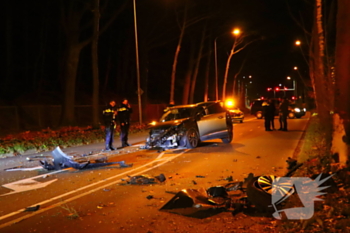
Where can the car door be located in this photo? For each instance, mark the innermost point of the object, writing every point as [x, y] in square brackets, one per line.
[212, 124]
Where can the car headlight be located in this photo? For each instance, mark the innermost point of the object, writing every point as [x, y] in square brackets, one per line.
[297, 109]
[304, 109]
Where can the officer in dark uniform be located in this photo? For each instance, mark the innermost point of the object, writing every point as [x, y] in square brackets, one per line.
[267, 115]
[283, 113]
[124, 112]
[109, 121]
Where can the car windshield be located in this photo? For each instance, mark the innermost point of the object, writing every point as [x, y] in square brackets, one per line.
[176, 113]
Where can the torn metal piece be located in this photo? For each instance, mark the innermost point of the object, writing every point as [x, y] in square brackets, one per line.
[32, 208]
[193, 203]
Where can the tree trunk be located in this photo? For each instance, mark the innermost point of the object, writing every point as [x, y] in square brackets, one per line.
[188, 75]
[70, 71]
[195, 74]
[342, 74]
[321, 80]
[178, 47]
[207, 74]
[95, 73]
[226, 70]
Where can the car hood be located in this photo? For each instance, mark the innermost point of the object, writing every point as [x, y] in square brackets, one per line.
[167, 124]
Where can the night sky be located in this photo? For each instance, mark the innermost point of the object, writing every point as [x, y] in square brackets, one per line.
[32, 43]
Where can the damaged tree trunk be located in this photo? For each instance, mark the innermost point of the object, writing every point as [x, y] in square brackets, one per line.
[322, 86]
[342, 80]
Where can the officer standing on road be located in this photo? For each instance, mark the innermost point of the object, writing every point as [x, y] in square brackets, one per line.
[109, 122]
[267, 115]
[272, 110]
[283, 113]
[124, 112]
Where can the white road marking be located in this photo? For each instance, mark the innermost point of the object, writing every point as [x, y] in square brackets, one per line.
[28, 184]
[60, 197]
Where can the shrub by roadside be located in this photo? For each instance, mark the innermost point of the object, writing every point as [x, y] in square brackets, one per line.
[48, 139]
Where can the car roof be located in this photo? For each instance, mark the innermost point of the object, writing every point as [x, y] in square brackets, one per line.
[194, 105]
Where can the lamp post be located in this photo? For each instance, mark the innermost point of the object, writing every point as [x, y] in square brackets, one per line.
[294, 86]
[216, 70]
[139, 91]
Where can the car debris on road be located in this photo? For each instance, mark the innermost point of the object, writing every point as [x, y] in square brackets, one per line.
[145, 179]
[61, 161]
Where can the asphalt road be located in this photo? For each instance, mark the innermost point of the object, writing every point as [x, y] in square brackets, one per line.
[100, 200]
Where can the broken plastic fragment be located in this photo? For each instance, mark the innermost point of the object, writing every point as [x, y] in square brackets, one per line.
[32, 208]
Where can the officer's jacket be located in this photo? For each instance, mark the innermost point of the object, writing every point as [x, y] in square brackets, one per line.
[109, 115]
[124, 113]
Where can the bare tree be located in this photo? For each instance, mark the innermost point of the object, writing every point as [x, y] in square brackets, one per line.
[238, 45]
[196, 69]
[94, 55]
[177, 52]
[72, 13]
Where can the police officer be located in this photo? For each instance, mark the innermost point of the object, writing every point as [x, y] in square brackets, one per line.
[124, 112]
[267, 115]
[283, 113]
[109, 122]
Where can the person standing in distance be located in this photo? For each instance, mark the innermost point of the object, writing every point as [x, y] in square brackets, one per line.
[124, 112]
[272, 110]
[283, 113]
[267, 118]
[109, 122]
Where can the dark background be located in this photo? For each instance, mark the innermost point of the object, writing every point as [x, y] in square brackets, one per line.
[32, 42]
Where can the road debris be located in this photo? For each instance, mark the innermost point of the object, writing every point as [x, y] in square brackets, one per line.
[62, 161]
[145, 179]
[32, 208]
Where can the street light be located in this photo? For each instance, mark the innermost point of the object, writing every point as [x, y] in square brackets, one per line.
[139, 91]
[236, 32]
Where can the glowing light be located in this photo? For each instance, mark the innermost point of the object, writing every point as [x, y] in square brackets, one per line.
[229, 103]
[297, 42]
[236, 32]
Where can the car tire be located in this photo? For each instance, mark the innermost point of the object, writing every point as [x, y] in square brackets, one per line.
[230, 137]
[192, 138]
[259, 115]
[241, 121]
[298, 117]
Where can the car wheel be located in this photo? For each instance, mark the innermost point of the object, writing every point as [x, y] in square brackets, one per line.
[298, 117]
[230, 133]
[291, 115]
[241, 121]
[192, 138]
[259, 115]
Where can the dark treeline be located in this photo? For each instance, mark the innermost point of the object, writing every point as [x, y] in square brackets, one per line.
[46, 46]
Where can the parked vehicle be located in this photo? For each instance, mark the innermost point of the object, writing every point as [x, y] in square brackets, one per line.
[236, 114]
[187, 125]
[296, 112]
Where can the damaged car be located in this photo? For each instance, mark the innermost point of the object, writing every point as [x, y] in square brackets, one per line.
[185, 126]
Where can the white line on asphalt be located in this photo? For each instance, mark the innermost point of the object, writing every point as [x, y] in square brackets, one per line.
[28, 184]
[162, 161]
